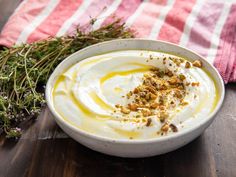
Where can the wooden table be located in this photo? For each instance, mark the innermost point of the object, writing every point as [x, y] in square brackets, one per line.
[44, 150]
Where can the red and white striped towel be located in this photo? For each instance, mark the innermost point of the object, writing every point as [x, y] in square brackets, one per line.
[205, 26]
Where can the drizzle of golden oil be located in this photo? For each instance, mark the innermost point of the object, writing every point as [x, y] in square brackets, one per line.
[80, 105]
[100, 102]
[85, 124]
[200, 106]
[123, 73]
[92, 61]
[127, 133]
[137, 64]
[217, 96]
[60, 79]
[118, 89]
[216, 99]
[84, 109]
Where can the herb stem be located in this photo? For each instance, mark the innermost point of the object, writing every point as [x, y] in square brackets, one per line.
[25, 69]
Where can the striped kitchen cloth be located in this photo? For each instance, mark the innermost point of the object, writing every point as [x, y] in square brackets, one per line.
[205, 26]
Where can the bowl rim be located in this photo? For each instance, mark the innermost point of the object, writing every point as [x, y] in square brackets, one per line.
[210, 117]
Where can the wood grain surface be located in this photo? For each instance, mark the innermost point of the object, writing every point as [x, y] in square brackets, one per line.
[46, 151]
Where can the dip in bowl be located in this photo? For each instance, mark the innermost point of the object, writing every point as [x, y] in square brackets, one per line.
[134, 97]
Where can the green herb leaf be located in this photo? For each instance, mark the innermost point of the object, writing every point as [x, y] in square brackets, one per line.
[25, 69]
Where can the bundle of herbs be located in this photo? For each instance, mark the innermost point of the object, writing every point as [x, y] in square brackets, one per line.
[25, 69]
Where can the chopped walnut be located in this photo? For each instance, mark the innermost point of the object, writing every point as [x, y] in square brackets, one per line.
[136, 90]
[162, 107]
[173, 80]
[178, 94]
[169, 73]
[117, 106]
[161, 100]
[182, 77]
[187, 65]
[197, 63]
[195, 84]
[154, 105]
[149, 121]
[177, 61]
[163, 87]
[173, 128]
[129, 94]
[146, 112]
[148, 96]
[184, 103]
[133, 107]
[163, 116]
[151, 89]
[165, 127]
[153, 96]
[124, 110]
[187, 84]
[161, 74]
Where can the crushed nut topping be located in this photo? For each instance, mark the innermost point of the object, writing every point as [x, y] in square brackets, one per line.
[197, 63]
[160, 91]
[125, 110]
[133, 107]
[195, 84]
[173, 128]
[163, 116]
[187, 65]
[184, 103]
[182, 77]
[165, 127]
[149, 121]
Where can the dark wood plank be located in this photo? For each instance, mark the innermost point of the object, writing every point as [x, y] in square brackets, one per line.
[44, 150]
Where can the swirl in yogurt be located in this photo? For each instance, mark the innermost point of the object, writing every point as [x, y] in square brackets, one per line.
[134, 94]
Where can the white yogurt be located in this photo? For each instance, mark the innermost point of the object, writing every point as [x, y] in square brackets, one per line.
[86, 94]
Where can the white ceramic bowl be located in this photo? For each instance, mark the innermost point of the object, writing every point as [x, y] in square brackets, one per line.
[133, 148]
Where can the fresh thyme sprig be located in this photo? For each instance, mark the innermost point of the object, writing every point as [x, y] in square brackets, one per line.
[25, 69]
